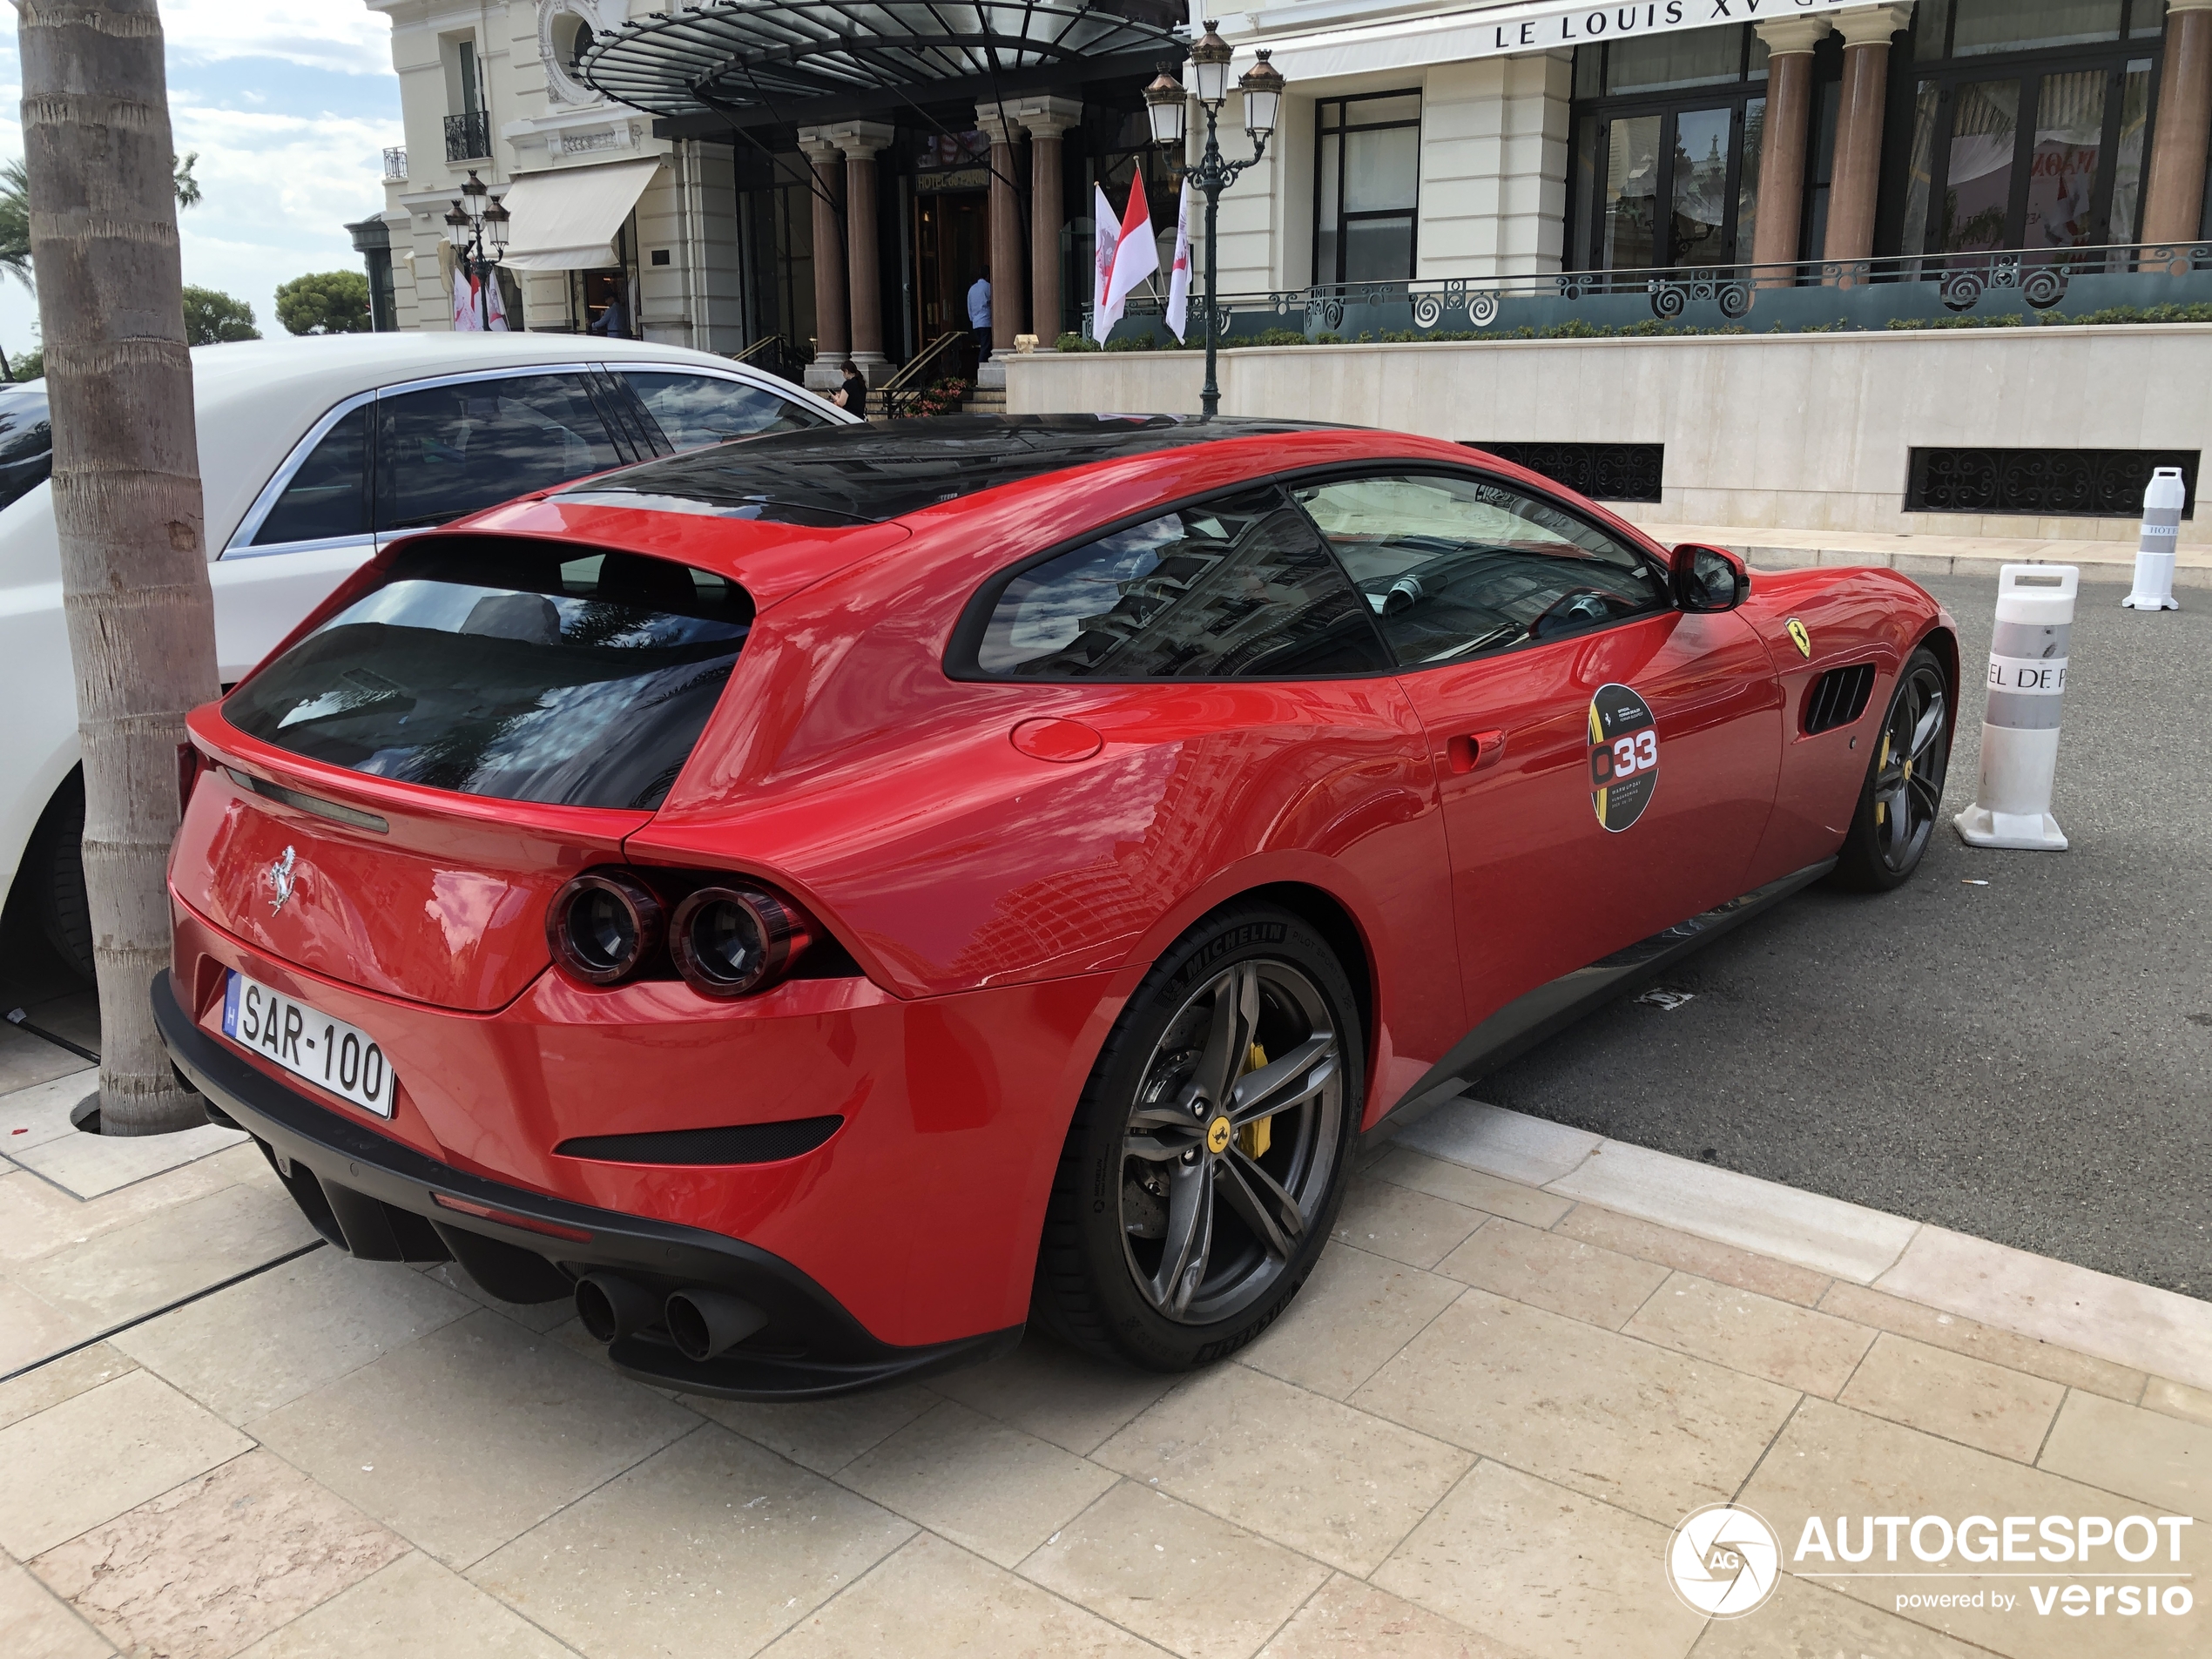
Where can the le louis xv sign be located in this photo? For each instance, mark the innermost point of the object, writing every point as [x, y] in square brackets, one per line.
[1331, 41]
[1536, 28]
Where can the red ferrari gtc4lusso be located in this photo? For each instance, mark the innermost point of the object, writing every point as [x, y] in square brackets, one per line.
[824, 902]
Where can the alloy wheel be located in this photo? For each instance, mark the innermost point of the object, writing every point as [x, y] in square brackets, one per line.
[1909, 773]
[1231, 1142]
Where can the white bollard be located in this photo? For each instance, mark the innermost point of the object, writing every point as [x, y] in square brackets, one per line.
[2162, 502]
[2019, 730]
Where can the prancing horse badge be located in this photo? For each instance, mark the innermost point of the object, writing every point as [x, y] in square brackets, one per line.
[280, 880]
[1799, 638]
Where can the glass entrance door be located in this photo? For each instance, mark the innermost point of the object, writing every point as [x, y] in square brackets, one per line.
[1698, 232]
[952, 232]
[2041, 163]
[1670, 191]
[1631, 213]
[1978, 186]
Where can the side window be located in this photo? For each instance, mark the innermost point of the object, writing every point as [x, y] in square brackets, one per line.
[1451, 566]
[26, 442]
[453, 449]
[329, 496]
[1237, 587]
[696, 410]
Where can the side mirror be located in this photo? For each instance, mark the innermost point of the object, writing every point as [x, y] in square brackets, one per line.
[1709, 578]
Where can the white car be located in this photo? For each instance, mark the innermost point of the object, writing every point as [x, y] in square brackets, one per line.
[312, 453]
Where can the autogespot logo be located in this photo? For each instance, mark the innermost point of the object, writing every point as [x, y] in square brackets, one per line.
[1724, 1560]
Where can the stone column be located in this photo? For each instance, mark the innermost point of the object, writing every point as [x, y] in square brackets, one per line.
[859, 142]
[1784, 139]
[1045, 119]
[2173, 204]
[1010, 258]
[1857, 177]
[832, 341]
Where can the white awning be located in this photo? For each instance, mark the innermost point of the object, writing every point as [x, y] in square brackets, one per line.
[566, 220]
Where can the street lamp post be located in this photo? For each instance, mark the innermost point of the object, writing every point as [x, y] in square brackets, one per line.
[477, 229]
[1166, 102]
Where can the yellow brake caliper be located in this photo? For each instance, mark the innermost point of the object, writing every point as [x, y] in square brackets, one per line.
[1882, 807]
[1254, 1138]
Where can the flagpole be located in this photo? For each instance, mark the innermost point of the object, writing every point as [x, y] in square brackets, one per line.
[1209, 394]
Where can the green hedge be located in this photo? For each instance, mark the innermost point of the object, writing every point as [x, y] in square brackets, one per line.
[1577, 329]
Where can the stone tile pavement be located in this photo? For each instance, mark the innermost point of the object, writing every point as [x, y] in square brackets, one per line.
[1528, 1354]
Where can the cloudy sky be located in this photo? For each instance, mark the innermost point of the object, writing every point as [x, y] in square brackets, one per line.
[290, 103]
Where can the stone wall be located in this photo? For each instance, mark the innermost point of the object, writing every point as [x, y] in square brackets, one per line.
[1800, 432]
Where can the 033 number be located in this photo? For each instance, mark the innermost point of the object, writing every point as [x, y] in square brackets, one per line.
[1637, 752]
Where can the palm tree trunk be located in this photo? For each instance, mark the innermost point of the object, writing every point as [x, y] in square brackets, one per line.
[127, 493]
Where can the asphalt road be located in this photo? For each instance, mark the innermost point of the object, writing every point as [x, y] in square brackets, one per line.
[2029, 1061]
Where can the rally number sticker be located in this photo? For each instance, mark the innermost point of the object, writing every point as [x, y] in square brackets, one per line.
[1624, 755]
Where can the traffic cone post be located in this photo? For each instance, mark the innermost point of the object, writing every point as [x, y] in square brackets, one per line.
[2162, 503]
[2020, 731]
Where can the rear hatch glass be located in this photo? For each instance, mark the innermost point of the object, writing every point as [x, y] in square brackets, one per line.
[510, 669]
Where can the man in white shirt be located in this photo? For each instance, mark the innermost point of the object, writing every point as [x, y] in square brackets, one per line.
[979, 313]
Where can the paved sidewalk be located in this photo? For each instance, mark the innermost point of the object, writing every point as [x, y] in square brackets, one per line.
[1932, 554]
[1529, 1355]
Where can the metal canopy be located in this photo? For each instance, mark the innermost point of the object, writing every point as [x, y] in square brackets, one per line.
[764, 54]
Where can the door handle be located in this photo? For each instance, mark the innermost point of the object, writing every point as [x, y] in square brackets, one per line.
[1475, 751]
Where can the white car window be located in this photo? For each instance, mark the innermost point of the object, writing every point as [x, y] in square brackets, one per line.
[448, 450]
[26, 441]
[329, 496]
[696, 410]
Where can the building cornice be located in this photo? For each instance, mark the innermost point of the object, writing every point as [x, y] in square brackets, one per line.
[580, 137]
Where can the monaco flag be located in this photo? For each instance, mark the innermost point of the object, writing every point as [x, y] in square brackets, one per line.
[1179, 272]
[1106, 239]
[465, 303]
[1135, 257]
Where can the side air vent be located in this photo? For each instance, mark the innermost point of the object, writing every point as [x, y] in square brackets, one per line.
[1838, 697]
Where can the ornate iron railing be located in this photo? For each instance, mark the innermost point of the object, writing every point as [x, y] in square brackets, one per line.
[904, 391]
[1952, 290]
[468, 136]
[2053, 483]
[395, 164]
[777, 355]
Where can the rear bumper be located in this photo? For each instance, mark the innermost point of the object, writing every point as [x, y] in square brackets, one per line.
[380, 1199]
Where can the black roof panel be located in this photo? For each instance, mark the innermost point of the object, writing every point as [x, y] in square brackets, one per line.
[828, 475]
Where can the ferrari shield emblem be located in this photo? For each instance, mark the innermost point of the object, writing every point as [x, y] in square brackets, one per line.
[1624, 755]
[1799, 638]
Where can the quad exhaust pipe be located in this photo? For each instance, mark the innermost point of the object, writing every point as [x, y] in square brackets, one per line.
[701, 1323]
[612, 1306]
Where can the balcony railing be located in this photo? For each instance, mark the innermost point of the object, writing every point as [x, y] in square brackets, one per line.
[468, 137]
[1954, 290]
[395, 164]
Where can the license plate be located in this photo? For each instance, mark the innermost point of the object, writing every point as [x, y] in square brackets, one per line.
[340, 1057]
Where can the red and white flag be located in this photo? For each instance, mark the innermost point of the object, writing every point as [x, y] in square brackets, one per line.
[1135, 257]
[1179, 271]
[1106, 237]
[465, 303]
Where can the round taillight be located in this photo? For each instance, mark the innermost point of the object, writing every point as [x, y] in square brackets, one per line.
[733, 941]
[602, 924]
